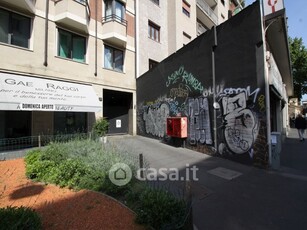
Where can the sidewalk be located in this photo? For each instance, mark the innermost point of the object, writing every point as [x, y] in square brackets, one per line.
[255, 199]
[294, 153]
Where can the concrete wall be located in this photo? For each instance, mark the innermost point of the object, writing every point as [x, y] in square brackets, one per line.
[182, 85]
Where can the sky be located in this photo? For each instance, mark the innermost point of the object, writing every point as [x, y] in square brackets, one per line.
[296, 11]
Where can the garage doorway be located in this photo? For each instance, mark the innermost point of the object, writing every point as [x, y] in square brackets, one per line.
[117, 109]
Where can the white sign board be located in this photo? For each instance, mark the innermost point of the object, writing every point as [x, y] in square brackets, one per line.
[271, 6]
[118, 123]
[37, 94]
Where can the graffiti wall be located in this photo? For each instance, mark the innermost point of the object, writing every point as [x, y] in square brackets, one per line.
[228, 117]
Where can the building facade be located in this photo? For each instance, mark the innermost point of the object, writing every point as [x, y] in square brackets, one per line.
[163, 27]
[65, 63]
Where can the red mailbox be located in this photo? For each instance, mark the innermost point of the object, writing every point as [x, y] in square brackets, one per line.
[177, 127]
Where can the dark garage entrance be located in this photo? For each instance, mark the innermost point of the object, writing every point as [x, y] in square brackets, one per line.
[117, 108]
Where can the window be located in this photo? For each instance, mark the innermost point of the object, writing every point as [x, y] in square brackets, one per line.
[115, 10]
[71, 46]
[186, 8]
[14, 29]
[156, 1]
[113, 58]
[152, 63]
[153, 31]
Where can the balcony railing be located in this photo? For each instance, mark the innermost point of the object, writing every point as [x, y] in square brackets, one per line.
[114, 30]
[114, 17]
[203, 5]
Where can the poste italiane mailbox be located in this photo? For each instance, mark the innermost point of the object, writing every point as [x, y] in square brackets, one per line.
[177, 127]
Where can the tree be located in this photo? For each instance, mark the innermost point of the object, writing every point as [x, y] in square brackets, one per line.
[298, 55]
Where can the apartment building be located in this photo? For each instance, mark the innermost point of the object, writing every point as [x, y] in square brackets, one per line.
[163, 27]
[64, 63]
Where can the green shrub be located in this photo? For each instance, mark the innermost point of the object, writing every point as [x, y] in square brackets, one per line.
[79, 164]
[85, 164]
[56, 152]
[93, 180]
[36, 168]
[101, 126]
[15, 218]
[69, 173]
[33, 156]
[159, 209]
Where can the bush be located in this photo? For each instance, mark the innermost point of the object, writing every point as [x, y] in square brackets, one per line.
[101, 126]
[36, 168]
[14, 218]
[55, 152]
[69, 173]
[160, 209]
[85, 164]
[78, 164]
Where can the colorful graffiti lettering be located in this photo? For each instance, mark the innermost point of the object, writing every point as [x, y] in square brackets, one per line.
[155, 120]
[241, 125]
[187, 78]
[261, 103]
[181, 91]
[172, 79]
[199, 129]
[235, 91]
[190, 80]
[209, 91]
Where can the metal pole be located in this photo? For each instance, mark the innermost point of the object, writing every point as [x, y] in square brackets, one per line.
[214, 88]
[96, 42]
[46, 34]
[267, 86]
[141, 161]
[39, 141]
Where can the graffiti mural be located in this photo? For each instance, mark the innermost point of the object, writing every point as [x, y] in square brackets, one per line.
[181, 91]
[233, 91]
[155, 119]
[240, 123]
[222, 95]
[199, 129]
[188, 80]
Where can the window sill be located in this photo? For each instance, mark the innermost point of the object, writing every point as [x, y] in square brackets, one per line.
[114, 70]
[68, 59]
[17, 47]
[154, 40]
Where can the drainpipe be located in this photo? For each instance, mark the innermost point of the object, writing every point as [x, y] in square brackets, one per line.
[136, 60]
[214, 88]
[266, 82]
[136, 34]
[46, 34]
[96, 39]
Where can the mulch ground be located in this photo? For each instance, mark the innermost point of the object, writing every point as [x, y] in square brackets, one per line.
[62, 208]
